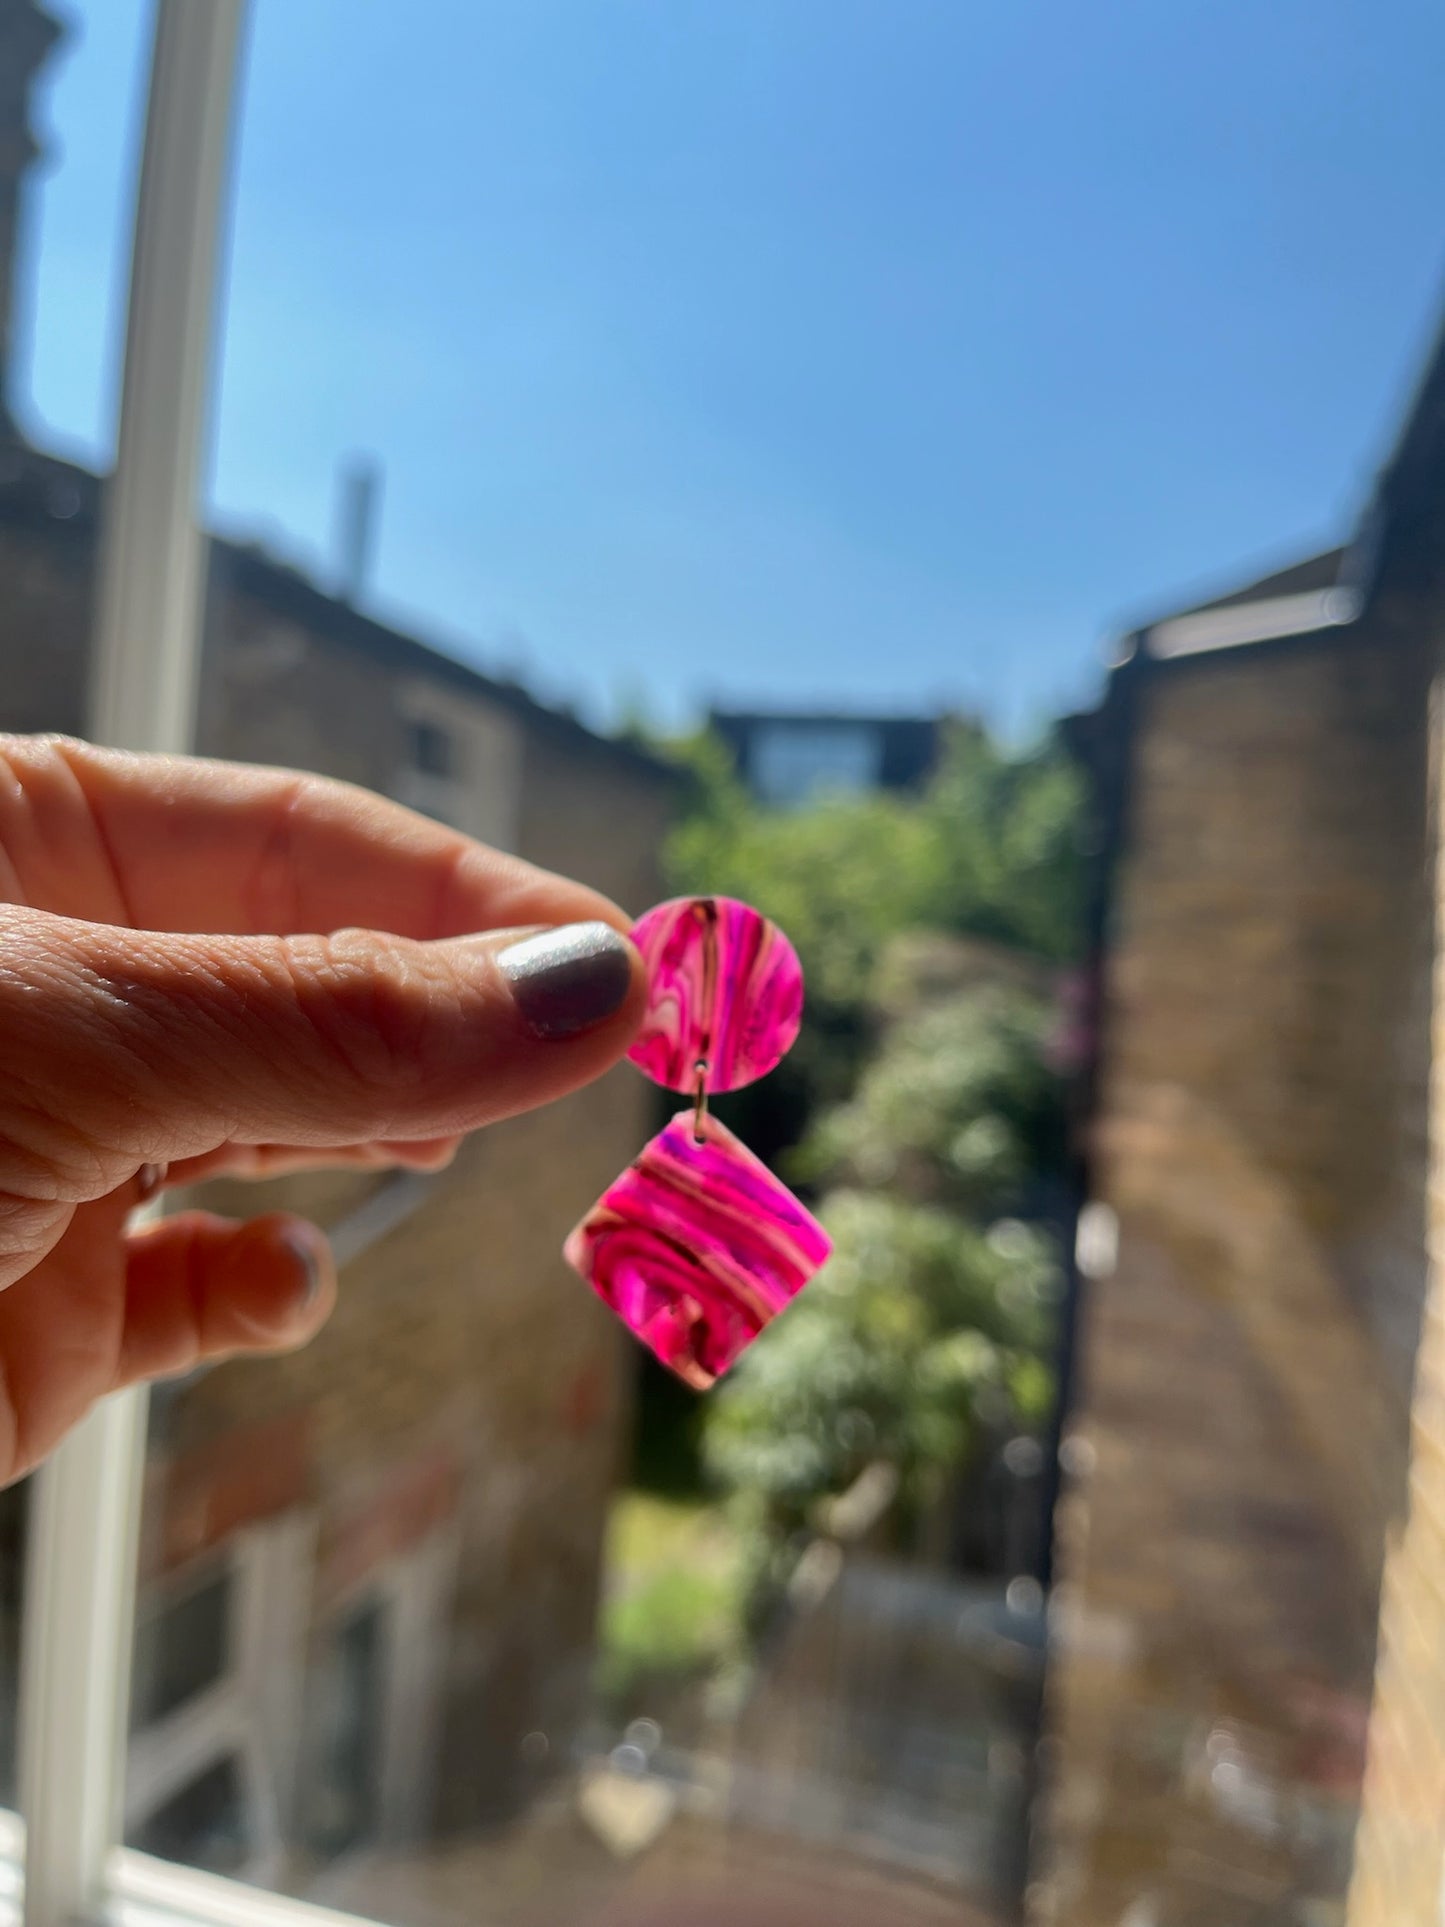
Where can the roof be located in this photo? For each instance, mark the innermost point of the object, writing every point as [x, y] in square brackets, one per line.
[740, 719]
[1321, 571]
[1303, 599]
[1399, 542]
[291, 594]
[1401, 539]
[57, 497]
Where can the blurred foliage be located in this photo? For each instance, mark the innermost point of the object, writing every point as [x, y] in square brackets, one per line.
[840, 876]
[667, 1432]
[919, 1327]
[988, 849]
[926, 1112]
[1008, 830]
[674, 1598]
[958, 1107]
[930, 1327]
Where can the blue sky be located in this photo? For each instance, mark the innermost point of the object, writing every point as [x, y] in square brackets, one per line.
[874, 352]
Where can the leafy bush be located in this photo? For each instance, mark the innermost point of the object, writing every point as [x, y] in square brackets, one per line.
[932, 1119]
[957, 1107]
[918, 1328]
[989, 849]
[672, 1609]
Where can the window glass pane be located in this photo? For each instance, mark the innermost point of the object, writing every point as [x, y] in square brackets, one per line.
[1073, 1550]
[346, 1790]
[430, 749]
[182, 1645]
[204, 1824]
[793, 762]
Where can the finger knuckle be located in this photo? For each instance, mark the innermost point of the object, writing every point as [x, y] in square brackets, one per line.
[68, 1113]
[373, 1005]
[42, 750]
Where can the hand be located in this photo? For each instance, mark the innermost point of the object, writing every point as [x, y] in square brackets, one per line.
[340, 1007]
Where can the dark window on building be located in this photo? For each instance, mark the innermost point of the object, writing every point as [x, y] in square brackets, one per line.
[346, 1798]
[795, 762]
[430, 749]
[204, 1824]
[181, 1648]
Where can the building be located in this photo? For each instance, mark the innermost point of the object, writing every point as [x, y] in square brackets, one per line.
[788, 760]
[369, 1571]
[1248, 1624]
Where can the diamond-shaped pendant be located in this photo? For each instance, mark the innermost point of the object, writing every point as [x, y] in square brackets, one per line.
[697, 1246]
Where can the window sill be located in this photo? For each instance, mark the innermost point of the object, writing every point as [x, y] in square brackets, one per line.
[153, 1893]
[12, 1868]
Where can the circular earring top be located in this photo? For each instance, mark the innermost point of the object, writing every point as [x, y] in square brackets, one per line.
[726, 994]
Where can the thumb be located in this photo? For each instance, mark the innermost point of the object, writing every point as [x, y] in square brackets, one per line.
[123, 1047]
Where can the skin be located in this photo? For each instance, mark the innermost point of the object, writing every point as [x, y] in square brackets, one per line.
[343, 1007]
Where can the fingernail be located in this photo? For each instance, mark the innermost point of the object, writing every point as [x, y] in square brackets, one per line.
[565, 981]
[313, 1257]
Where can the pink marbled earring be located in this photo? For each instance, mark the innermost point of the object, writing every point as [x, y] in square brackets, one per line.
[697, 1245]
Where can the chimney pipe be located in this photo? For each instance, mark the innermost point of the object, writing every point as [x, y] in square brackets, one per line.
[360, 496]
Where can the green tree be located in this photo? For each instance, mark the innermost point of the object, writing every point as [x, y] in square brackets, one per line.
[1008, 827]
[931, 1128]
[958, 1106]
[919, 1329]
[989, 849]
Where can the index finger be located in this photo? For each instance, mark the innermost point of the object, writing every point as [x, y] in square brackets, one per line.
[189, 844]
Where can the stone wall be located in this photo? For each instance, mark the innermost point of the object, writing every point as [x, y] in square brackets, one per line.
[1236, 1453]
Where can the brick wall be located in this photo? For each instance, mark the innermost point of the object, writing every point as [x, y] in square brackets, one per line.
[1399, 1873]
[1237, 1450]
[462, 1334]
[47, 573]
[469, 1387]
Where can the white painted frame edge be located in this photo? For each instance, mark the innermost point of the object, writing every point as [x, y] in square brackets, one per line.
[85, 1504]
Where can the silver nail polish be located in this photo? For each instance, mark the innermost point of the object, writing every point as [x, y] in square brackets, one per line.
[564, 981]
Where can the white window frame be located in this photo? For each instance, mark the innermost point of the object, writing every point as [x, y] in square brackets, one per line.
[85, 1502]
[414, 1594]
[251, 1711]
